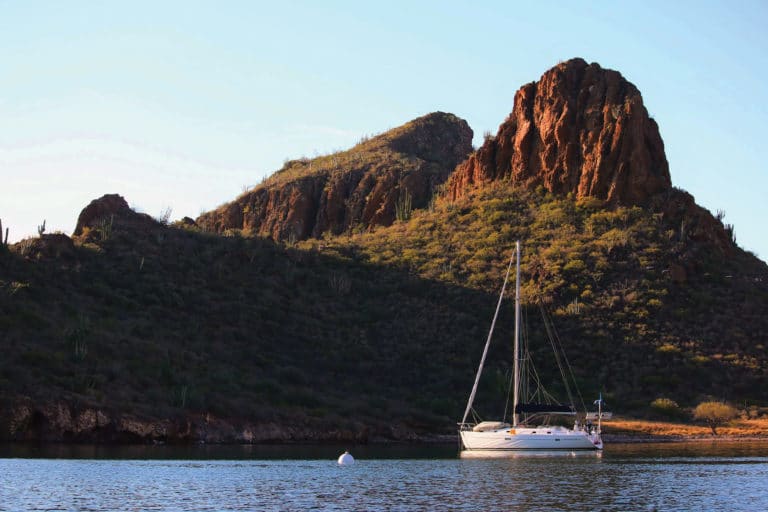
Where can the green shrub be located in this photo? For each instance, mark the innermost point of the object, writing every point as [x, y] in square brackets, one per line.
[667, 348]
[666, 407]
[715, 414]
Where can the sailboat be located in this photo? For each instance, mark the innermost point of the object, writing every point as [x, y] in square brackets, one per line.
[530, 427]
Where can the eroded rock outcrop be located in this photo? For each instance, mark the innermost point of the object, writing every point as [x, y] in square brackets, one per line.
[580, 129]
[108, 215]
[356, 188]
[696, 226]
[98, 209]
[23, 419]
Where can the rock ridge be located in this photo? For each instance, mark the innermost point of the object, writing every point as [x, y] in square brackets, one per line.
[358, 188]
[580, 129]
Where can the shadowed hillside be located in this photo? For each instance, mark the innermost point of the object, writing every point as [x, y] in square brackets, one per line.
[167, 333]
[266, 320]
[160, 322]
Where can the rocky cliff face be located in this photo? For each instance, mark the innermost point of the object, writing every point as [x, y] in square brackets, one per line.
[60, 421]
[696, 225]
[361, 187]
[580, 129]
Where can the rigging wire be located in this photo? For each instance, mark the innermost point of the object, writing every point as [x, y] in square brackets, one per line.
[509, 395]
[557, 353]
[532, 389]
[561, 356]
[540, 393]
[568, 364]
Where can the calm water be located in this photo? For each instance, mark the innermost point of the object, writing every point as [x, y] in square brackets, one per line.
[695, 476]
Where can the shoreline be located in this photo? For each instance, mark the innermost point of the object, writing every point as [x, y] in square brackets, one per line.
[25, 421]
[647, 439]
[625, 430]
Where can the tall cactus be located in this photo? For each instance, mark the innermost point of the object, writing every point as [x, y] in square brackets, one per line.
[104, 228]
[41, 228]
[3, 242]
[403, 206]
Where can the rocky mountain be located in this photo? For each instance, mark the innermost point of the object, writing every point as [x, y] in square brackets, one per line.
[328, 304]
[584, 130]
[580, 129]
[358, 188]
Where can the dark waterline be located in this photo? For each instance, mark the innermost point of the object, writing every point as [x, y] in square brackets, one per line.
[225, 452]
[696, 449]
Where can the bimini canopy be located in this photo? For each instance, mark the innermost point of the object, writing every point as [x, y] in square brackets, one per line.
[544, 409]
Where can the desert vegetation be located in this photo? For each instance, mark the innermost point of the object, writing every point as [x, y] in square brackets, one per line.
[383, 325]
[715, 414]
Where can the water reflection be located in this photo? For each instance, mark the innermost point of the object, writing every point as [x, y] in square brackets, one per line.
[527, 454]
[694, 476]
[689, 449]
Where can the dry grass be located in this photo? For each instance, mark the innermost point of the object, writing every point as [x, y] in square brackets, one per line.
[736, 428]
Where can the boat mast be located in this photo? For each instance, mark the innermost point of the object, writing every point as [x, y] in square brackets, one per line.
[516, 375]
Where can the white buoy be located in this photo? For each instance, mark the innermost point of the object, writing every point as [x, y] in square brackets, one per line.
[346, 459]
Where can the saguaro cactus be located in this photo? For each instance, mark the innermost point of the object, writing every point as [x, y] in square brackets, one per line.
[3, 241]
[403, 206]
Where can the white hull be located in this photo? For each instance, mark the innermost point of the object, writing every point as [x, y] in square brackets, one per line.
[526, 438]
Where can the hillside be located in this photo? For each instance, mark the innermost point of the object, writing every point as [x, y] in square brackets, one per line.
[648, 309]
[135, 330]
[371, 184]
[145, 331]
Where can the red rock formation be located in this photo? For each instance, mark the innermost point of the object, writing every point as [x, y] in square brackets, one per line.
[361, 188]
[580, 129]
[113, 210]
[100, 208]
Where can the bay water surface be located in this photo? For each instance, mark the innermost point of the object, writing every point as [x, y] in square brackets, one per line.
[688, 476]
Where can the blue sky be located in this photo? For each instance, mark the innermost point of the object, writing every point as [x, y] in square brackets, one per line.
[183, 104]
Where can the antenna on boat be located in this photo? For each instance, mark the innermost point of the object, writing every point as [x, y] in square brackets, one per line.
[599, 403]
